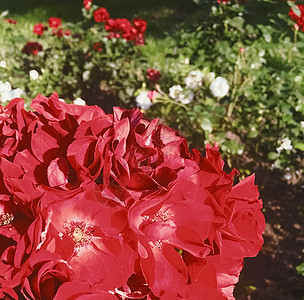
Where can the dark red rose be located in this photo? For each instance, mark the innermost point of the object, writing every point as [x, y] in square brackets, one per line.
[32, 48]
[38, 29]
[48, 271]
[54, 22]
[11, 21]
[97, 46]
[153, 75]
[87, 4]
[101, 15]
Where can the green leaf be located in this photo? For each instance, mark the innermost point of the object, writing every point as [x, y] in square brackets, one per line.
[236, 22]
[295, 8]
[273, 155]
[300, 269]
[206, 125]
[299, 146]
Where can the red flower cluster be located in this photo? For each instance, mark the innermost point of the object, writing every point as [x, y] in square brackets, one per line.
[101, 15]
[298, 19]
[153, 75]
[122, 28]
[55, 24]
[31, 48]
[113, 206]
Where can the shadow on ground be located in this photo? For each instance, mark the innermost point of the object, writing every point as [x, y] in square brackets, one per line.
[272, 274]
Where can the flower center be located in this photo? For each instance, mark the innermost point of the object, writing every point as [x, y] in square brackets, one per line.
[6, 219]
[80, 232]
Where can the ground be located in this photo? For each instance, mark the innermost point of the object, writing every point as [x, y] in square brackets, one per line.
[272, 274]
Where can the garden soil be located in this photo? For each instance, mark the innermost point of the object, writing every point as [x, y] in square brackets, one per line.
[272, 274]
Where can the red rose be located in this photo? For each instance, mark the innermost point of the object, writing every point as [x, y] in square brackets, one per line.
[101, 15]
[38, 29]
[80, 189]
[298, 19]
[87, 232]
[32, 48]
[82, 290]
[48, 271]
[97, 46]
[11, 21]
[87, 4]
[153, 75]
[54, 22]
[140, 25]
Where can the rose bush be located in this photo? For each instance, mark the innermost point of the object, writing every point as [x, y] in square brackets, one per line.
[256, 113]
[91, 59]
[117, 207]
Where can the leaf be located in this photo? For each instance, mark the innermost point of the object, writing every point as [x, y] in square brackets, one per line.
[273, 155]
[300, 269]
[206, 125]
[299, 146]
[237, 22]
[295, 8]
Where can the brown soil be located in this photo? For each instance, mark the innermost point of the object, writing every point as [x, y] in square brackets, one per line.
[272, 274]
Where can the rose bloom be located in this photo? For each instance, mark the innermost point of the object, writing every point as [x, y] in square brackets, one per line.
[106, 206]
[175, 91]
[11, 21]
[38, 29]
[143, 100]
[87, 4]
[298, 19]
[97, 46]
[54, 22]
[61, 33]
[219, 87]
[101, 15]
[153, 75]
[31, 48]
[194, 79]
[140, 25]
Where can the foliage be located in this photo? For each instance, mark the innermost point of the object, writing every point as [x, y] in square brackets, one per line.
[77, 59]
[262, 116]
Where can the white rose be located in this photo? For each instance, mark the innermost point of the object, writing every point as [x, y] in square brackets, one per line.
[79, 101]
[5, 87]
[219, 87]
[3, 64]
[285, 145]
[16, 93]
[86, 75]
[34, 74]
[143, 101]
[186, 97]
[194, 79]
[175, 91]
